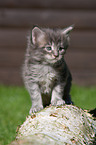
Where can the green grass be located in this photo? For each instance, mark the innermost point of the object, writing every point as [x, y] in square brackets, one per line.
[15, 104]
[14, 107]
[84, 97]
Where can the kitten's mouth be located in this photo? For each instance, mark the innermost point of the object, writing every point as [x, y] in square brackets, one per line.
[57, 58]
[55, 61]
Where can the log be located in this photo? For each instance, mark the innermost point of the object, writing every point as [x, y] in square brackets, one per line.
[49, 4]
[62, 125]
[26, 18]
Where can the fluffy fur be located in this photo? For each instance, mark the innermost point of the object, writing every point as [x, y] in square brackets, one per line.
[45, 73]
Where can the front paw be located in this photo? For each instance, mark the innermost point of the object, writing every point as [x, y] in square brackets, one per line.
[69, 103]
[35, 109]
[57, 102]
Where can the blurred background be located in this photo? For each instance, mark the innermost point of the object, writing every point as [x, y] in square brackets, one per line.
[18, 16]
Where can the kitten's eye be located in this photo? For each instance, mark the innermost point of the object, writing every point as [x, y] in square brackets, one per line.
[61, 49]
[48, 48]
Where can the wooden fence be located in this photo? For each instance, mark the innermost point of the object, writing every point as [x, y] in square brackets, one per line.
[18, 16]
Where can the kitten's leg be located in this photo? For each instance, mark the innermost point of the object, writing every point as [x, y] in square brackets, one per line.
[67, 96]
[57, 95]
[36, 98]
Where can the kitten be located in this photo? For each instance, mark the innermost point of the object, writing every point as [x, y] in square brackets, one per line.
[45, 73]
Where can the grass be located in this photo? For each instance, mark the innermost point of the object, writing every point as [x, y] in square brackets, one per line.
[15, 104]
[14, 107]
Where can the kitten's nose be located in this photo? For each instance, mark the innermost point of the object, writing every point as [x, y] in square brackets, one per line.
[56, 54]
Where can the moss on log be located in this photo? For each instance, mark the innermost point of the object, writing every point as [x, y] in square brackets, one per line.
[53, 125]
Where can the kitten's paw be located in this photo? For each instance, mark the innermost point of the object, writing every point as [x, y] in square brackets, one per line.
[68, 100]
[69, 103]
[58, 102]
[35, 109]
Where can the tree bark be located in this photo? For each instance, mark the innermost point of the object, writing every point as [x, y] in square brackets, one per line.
[62, 125]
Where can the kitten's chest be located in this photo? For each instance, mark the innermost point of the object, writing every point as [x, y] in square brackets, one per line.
[47, 80]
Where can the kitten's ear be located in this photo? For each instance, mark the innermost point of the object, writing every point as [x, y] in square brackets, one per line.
[38, 36]
[67, 30]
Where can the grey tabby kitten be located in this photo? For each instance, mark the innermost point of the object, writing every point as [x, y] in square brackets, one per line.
[45, 73]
